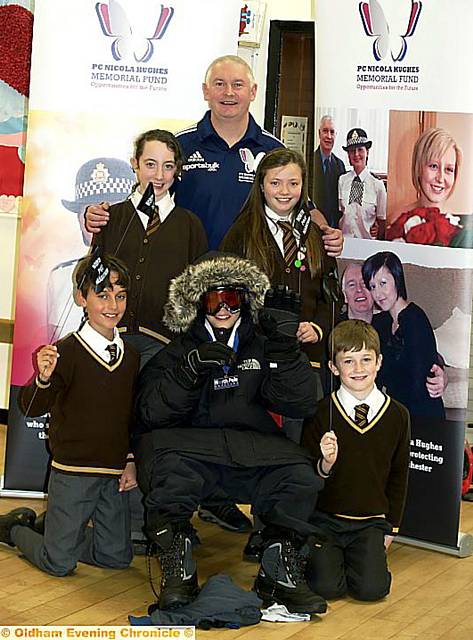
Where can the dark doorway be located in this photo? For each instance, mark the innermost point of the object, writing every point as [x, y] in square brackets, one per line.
[290, 78]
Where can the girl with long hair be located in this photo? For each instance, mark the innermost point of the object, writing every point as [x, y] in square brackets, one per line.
[274, 230]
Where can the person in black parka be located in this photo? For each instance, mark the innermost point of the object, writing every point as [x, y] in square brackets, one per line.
[203, 421]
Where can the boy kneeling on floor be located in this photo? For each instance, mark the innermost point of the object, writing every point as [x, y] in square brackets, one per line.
[86, 382]
[360, 439]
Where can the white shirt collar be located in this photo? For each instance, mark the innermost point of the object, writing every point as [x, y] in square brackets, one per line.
[375, 400]
[272, 215]
[363, 175]
[272, 220]
[165, 206]
[98, 343]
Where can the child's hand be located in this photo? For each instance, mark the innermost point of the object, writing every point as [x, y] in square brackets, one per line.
[306, 333]
[128, 478]
[387, 541]
[329, 449]
[47, 359]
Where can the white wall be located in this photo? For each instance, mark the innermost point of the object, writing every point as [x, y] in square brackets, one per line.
[302, 10]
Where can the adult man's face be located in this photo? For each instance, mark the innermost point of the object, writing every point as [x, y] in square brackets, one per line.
[357, 296]
[327, 135]
[229, 90]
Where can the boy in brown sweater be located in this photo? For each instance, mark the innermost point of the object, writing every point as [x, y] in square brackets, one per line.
[86, 382]
[360, 440]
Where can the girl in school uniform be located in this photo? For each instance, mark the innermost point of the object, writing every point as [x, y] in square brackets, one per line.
[156, 247]
[274, 229]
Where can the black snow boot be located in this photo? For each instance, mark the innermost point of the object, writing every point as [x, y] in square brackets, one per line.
[179, 584]
[281, 577]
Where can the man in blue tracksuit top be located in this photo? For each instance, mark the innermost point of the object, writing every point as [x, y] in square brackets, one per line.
[216, 178]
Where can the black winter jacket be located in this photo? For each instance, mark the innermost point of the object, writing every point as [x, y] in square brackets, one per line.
[231, 426]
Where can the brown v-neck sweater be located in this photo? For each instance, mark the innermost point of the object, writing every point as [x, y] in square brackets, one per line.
[369, 477]
[90, 403]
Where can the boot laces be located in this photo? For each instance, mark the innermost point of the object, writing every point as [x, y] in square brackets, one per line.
[172, 560]
[294, 562]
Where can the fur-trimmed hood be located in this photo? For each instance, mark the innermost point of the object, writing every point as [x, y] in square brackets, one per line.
[186, 290]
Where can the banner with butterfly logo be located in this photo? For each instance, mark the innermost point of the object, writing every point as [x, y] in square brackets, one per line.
[395, 106]
[102, 73]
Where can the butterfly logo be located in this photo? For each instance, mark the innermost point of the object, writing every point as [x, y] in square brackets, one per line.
[376, 25]
[251, 163]
[129, 42]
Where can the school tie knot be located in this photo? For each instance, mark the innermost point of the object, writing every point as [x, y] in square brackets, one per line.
[113, 350]
[153, 221]
[361, 415]
[327, 164]
[356, 191]
[288, 241]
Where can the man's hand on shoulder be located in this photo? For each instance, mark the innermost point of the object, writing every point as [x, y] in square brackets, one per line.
[96, 217]
[333, 240]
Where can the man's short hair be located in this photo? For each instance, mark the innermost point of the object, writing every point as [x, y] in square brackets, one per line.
[350, 265]
[82, 273]
[229, 58]
[353, 335]
[322, 120]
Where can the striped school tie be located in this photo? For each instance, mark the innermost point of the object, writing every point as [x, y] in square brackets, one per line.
[153, 222]
[361, 415]
[289, 242]
[113, 350]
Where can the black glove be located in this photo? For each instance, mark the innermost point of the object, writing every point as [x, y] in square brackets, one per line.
[279, 320]
[203, 359]
[208, 356]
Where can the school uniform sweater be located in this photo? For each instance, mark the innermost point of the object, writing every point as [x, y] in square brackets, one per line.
[369, 477]
[153, 261]
[90, 402]
[314, 308]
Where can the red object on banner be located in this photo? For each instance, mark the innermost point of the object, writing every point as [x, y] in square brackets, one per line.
[12, 172]
[467, 469]
[423, 225]
[16, 27]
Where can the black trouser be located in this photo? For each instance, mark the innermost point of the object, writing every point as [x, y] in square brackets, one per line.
[353, 560]
[282, 495]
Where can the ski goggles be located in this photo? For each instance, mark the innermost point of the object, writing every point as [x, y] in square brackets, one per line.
[229, 297]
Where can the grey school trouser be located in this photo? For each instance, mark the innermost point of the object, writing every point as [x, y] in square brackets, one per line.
[72, 502]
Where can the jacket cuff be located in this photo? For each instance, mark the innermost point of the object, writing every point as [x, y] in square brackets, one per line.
[318, 330]
[320, 471]
[42, 385]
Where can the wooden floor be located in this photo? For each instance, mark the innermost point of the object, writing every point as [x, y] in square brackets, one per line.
[431, 598]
